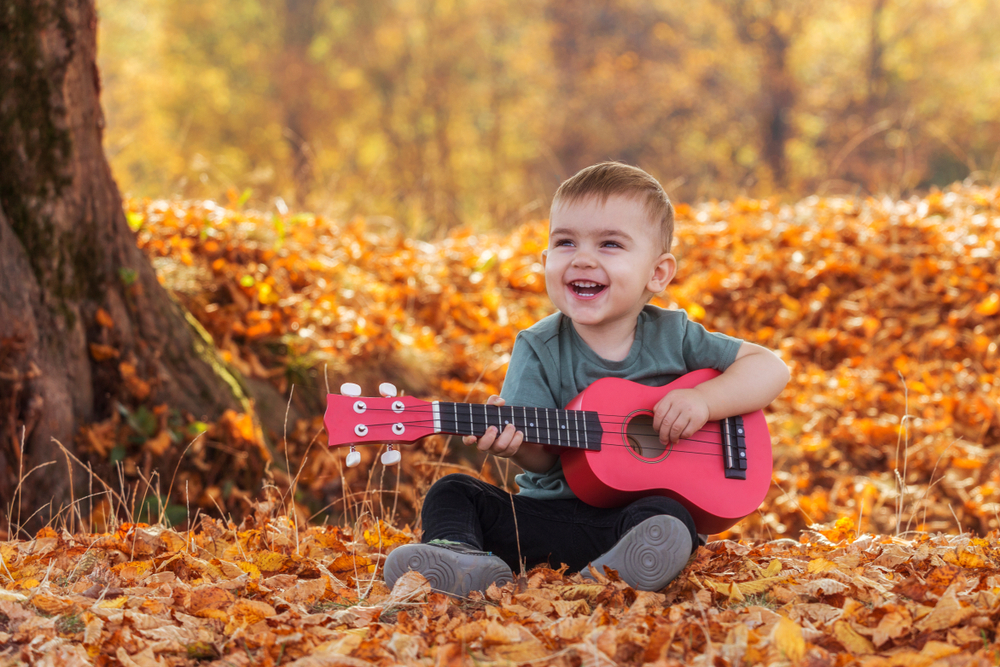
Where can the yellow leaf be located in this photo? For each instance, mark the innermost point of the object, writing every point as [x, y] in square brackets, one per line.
[851, 640]
[844, 524]
[773, 568]
[114, 603]
[758, 585]
[820, 565]
[269, 561]
[789, 640]
[970, 559]
[386, 536]
[51, 604]
[250, 569]
[132, 569]
[217, 614]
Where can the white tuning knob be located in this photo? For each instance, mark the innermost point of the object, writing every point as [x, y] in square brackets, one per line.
[353, 458]
[350, 389]
[387, 389]
[391, 457]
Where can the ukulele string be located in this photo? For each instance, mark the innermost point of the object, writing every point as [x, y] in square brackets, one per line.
[584, 433]
[463, 419]
[588, 435]
[607, 415]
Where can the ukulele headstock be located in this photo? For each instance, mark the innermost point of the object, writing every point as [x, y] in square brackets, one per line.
[353, 419]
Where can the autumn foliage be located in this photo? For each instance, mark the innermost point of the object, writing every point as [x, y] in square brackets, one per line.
[886, 438]
[886, 312]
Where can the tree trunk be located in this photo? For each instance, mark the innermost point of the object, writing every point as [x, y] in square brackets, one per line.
[297, 75]
[66, 253]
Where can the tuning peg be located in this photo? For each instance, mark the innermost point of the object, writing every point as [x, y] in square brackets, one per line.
[350, 389]
[387, 389]
[353, 457]
[391, 456]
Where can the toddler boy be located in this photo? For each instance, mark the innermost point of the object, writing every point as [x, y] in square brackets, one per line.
[610, 233]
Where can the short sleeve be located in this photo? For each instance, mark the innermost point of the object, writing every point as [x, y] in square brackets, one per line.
[708, 349]
[527, 382]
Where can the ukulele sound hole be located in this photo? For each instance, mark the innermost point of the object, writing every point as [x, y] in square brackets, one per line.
[643, 439]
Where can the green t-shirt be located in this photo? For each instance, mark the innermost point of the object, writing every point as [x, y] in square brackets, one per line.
[551, 364]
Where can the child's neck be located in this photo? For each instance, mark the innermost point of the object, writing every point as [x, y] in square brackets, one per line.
[612, 342]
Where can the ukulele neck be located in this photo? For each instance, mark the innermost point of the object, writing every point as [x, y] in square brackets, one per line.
[578, 429]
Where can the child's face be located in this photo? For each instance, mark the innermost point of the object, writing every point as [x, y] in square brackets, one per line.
[604, 261]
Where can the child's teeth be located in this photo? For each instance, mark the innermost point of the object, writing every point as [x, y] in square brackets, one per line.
[586, 288]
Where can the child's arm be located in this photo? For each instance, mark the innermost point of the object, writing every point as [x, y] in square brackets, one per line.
[509, 444]
[750, 383]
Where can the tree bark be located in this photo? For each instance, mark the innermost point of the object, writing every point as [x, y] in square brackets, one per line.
[66, 252]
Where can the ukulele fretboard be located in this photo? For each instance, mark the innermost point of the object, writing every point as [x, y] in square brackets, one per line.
[579, 429]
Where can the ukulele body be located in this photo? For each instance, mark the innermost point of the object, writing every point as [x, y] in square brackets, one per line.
[632, 463]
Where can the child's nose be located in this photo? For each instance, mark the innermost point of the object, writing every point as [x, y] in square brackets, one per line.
[583, 258]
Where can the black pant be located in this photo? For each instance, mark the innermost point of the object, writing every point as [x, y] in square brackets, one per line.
[464, 509]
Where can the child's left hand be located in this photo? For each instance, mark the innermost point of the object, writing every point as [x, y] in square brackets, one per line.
[680, 414]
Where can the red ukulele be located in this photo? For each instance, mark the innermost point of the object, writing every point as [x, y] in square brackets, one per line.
[610, 452]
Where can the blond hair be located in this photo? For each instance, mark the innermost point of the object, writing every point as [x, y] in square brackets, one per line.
[617, 178]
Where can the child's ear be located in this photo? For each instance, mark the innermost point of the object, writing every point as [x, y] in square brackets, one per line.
[663, 272]
[545, 256]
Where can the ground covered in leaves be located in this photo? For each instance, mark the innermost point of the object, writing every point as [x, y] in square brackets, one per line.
[877, 545]
[887, 312]
[264, 594]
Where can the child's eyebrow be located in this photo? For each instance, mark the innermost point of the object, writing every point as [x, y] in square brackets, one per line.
[600, 233]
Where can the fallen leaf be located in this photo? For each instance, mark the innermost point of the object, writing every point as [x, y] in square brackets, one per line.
[851, 640]
[788, 639]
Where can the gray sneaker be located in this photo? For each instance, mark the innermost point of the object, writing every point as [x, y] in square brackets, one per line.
[649, 556]
[449, 567]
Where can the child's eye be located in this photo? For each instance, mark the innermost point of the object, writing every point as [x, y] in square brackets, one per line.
[612, 244]
[562, 242]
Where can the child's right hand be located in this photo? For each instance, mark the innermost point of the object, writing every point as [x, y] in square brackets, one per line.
[504, 444]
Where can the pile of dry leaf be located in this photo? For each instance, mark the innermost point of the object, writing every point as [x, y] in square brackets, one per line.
[886, 311]
[877, 545]
[266, 593]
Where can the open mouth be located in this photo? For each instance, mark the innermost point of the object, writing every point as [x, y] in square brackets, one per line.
[586, 289]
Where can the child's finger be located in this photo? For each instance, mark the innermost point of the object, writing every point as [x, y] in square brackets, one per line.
[487, 439]
[508, 442]
[666, 426]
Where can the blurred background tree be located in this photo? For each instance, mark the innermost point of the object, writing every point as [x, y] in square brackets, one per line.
[437, 113]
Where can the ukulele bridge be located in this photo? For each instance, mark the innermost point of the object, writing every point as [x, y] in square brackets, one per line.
[734, 447]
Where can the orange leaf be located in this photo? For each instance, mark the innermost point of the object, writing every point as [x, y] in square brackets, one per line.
[990, 305]
[104, 319]
[101, 352]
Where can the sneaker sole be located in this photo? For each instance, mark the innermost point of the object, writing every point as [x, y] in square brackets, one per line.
[649, 556]
[445, 570]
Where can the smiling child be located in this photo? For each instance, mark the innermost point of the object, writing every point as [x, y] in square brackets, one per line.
[610, 233]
